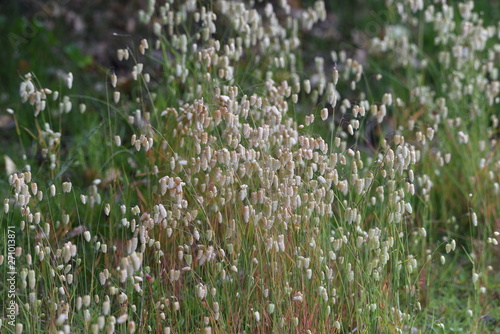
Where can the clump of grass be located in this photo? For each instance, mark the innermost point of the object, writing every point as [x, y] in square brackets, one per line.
[205, 202]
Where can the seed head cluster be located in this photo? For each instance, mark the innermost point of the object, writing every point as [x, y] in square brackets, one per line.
[218, 208]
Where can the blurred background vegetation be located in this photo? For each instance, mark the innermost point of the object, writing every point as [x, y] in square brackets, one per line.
[82, 36]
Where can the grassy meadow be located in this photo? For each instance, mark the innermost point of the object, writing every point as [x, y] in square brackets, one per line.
[254, 167]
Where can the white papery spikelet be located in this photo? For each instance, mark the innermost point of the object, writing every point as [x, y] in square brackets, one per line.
[69, 80]
[324, 114]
